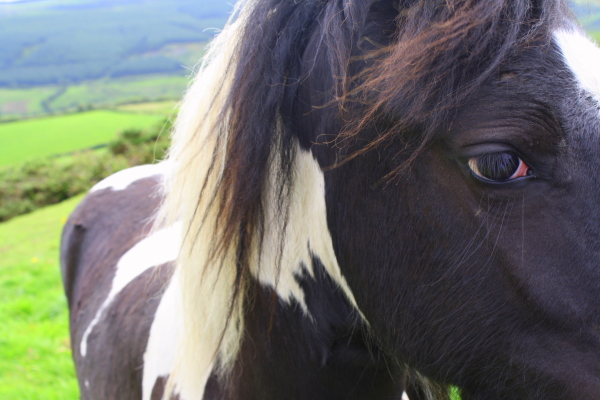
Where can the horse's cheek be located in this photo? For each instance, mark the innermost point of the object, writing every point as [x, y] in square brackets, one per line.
[396, 238]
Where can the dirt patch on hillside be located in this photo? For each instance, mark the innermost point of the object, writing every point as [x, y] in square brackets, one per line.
[15, 107]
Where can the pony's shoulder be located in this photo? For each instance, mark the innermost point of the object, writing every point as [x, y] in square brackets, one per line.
[119, 209]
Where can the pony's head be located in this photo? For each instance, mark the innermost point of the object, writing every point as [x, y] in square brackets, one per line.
[438, 158]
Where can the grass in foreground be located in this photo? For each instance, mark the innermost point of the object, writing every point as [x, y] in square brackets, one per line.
[30, 139]
[35, 355]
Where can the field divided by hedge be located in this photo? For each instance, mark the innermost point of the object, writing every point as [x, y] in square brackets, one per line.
[16, 103]
[31, 139]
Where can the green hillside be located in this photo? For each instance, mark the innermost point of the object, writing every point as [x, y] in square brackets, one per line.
[29, 139]
[66, 55]
[35, 354]
[63, 42]
[16, 103]
[61, 56]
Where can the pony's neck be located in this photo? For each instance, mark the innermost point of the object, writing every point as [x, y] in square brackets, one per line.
[287, 354]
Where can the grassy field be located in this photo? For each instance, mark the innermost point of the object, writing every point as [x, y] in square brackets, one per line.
[107, 92]
[103, 93]
[166, 108]
[35, 355]
[23, 140]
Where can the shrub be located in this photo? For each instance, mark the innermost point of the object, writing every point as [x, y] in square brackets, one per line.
[37, 183]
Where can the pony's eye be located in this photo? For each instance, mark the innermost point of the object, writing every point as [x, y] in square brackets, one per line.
[499, 167]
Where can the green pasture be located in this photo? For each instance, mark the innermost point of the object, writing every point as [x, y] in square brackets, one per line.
[158, 107]
[35, 355]
[108, 92]
[102, 93]
[29, 139]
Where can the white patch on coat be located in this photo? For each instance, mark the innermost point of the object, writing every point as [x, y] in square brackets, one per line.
[405, 396]
[167, 327]
[122, 179]
[156, 249]
[305, 234]
[582, 56]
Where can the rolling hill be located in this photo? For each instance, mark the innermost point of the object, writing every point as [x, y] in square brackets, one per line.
[66, 41]
[67, 55]
[62, 56]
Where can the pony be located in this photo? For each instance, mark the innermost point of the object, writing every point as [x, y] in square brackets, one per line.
[369, 199]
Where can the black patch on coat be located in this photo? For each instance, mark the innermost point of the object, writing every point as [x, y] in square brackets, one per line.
[291, 355]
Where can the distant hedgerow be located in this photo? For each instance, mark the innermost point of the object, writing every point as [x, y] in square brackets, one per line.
[38, 183]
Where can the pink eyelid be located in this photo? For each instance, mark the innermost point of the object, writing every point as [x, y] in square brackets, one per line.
[521, 171]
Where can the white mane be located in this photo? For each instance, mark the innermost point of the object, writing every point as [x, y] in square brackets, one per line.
[205, 292]
[212, 326]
